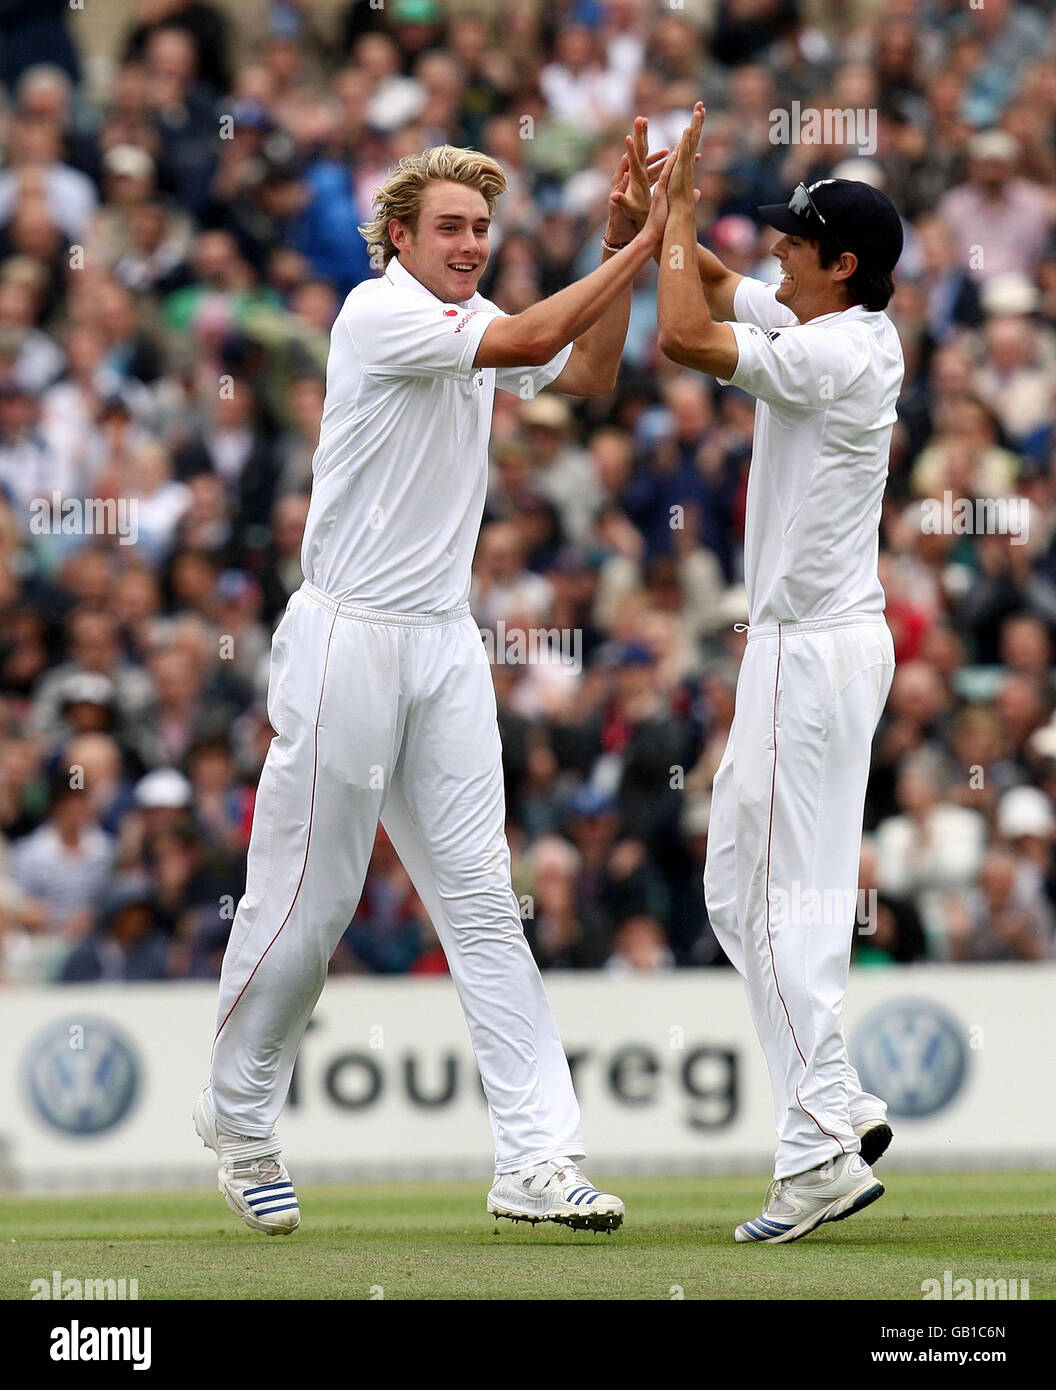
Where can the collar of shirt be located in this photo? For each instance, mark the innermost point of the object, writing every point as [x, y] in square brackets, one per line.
[852, 311]
[396, 274]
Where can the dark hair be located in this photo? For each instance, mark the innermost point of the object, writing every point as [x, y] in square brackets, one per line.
[872, 289]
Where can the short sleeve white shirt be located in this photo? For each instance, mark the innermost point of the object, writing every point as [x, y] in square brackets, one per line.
[400, 473]
[826, 393]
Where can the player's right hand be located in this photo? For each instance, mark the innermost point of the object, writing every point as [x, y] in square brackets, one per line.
[635, 176]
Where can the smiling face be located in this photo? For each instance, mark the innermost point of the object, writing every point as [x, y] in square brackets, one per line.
[449, 250]
[806, 288]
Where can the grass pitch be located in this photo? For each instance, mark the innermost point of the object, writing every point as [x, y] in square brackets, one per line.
[435, 1241]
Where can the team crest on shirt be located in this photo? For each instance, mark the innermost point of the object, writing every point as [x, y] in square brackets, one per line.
[772, 333]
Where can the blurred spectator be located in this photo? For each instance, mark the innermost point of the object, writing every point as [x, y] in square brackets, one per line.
[556, 934]
[1027, 825]
[66, 863]
[639, 946]
[31, 32]
[931, 848]
[93, 650]
[126, 945]
[577, 85]
[1000, 222]
[386, 933]
[888, 931]
[1005, 918]
[37, 170]
[206, 26]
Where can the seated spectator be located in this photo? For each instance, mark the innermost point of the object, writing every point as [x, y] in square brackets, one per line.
[66, 863]
[386, 935]
[640, 946]
[35, 146]
[100, 758]
[931, 849]
[1013, 381]
[578, 86]
[994, 208]
[888, 930]
[1007, 917]
[232, 445]
[557, 936]
[1026, 823]
[93, 649]
[126, 946]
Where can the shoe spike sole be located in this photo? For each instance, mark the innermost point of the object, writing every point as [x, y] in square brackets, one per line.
[875, 1143]
[595, 1224]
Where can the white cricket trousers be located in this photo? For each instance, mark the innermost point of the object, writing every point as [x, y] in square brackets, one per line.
[781, 875]
[391, 717]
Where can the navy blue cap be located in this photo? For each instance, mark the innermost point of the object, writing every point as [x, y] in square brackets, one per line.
[859, 217]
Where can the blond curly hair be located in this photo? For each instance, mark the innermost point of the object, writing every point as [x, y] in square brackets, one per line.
[401, 195]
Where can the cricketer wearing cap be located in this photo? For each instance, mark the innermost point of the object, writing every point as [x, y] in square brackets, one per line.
[381, 695]
[825, 365]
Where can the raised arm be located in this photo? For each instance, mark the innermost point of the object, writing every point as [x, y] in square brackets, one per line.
[718, 281]
[688, 333]
[531, 338]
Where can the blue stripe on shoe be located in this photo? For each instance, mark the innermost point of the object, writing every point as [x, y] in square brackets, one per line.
[772, 1228]
[267, 1187]
[762, 1229]
[588, 1196]
[571, 1196]
[756, 1232]
[270, 1211]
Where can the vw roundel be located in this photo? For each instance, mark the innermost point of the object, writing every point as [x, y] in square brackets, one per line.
[82, 1075]
[912, 1053]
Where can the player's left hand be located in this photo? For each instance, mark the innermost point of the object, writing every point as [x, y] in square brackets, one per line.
[635, 174]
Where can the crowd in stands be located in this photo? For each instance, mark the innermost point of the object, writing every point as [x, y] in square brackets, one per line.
[175, 243]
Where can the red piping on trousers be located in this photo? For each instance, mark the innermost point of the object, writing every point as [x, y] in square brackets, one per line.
[307, 841]
[769, 939]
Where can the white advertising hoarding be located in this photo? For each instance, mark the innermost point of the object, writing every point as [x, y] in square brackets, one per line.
[98, 1082]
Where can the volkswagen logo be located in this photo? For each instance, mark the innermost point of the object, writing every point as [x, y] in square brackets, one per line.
[912, 1054]
[81, 1075]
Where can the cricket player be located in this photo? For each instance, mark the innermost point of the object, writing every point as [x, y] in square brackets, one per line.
[825, 365]
[381, 695]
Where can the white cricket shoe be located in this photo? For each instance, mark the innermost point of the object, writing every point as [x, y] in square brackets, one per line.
[252, 1176]
[796, 1206]
[555, 1191]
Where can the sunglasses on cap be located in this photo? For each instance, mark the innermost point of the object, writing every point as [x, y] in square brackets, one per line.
[802, 204]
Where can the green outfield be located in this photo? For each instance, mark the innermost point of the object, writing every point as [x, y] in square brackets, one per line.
[433, 1240]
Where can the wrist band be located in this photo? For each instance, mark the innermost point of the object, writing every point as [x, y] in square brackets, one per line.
[609, 246]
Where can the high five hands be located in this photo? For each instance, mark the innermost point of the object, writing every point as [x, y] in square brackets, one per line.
[632, 200]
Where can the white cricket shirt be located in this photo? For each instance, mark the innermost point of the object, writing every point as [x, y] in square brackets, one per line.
[400, 473]
[826, 393]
